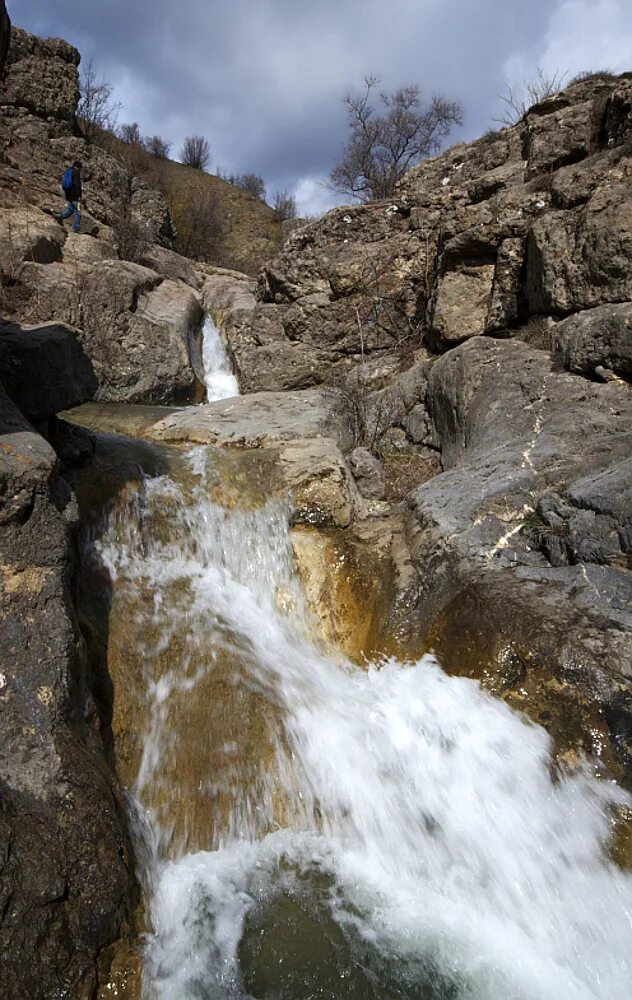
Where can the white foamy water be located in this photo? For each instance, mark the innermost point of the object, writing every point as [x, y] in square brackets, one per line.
[218, 374]
[424, 806]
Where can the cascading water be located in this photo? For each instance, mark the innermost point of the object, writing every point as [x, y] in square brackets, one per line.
[218, 374]
[394, 832]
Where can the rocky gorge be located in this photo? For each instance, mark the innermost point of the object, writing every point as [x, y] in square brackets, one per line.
[437, 387]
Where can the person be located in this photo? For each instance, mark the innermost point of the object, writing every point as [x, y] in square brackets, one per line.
[71, 184]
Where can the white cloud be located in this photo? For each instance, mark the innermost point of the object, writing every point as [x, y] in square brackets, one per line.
[313, 197]
[580, 35]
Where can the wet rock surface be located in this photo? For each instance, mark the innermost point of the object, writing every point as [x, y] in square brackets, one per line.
[65, 876]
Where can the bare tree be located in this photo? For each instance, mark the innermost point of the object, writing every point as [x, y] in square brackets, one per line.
[253, 184]
[533, 92]
[198, 215]
[130, 132]
[382, 147]
[284, 205]
[157, 146]
[96, 110]
[196, 152]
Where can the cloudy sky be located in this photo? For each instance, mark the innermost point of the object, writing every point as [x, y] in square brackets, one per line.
[263, 80]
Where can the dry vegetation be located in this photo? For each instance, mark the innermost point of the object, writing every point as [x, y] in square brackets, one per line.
[216, 221]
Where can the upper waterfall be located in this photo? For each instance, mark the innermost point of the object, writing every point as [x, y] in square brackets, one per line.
[218, 374]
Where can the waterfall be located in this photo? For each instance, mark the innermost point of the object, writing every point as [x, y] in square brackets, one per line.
[389, 832]
[218, 374]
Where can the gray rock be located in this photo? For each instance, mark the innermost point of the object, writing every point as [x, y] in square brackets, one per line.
[41, 75]
[525, 524]
[141, 332]
[259, 420]
[368, 473]
[44, 369]
[600, 337]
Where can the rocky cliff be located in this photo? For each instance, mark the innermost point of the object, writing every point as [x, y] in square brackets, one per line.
[129, 297]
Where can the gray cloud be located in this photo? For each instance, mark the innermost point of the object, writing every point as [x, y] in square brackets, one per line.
[264, 79]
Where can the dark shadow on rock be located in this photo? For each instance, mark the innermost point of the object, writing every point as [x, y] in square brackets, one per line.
[44, 369]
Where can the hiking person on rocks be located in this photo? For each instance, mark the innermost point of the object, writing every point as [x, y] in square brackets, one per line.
[71, 186]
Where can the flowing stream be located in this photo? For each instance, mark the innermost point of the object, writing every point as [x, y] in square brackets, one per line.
[218, 373]
[315, 829]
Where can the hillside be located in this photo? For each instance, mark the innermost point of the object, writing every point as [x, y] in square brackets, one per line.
[215, 221]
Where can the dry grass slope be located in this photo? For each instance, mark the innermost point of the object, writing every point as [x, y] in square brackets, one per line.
[216, 221]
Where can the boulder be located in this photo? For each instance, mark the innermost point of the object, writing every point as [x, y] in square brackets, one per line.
[259, 420]
[171, 265]
[368, 473]
[463, 302]
[141, 332]
[522, 544]
[227, 293]
[80, 248]
[67, 882]
[27, 234]
[44, 369]
[42, 76]
[322, 489]
[583, 258]
[149, 207]
[600, 337]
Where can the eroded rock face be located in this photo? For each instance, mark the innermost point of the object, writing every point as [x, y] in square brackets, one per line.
[527, 222]
[140, 331]
[65, 881]
[42, 76]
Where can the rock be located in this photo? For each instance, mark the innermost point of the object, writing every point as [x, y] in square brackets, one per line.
[5, 34]
[528, 223]
[26, 234]
[600, 337]
[226, 293]
[150, 208]
[318, 478]
[67, 882]
[41, 76]
[581, 258]
[560, 131]
[463, 302]
[355, 581]
[44, 369]
[368, 474]
[260, 420]
[142, 333]
[82, 249]
[500, 569]
[172, 265]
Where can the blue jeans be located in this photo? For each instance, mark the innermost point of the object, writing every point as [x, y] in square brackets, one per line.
[72, 208]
